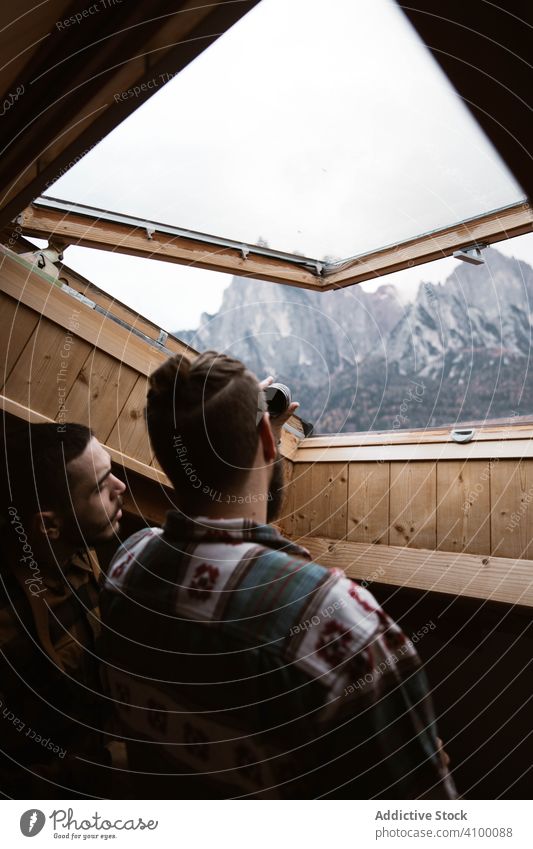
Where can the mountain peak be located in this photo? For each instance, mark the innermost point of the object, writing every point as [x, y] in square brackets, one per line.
[348, 352]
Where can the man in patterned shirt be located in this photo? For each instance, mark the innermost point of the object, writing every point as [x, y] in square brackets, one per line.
[238, 666]
[59, 498]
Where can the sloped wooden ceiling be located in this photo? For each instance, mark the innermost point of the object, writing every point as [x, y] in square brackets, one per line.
[68, 69]
[485, 50]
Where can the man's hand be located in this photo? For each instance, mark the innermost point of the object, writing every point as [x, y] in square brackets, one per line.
[280, 420]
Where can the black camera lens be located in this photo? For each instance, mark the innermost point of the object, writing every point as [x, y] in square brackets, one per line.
[278, 398]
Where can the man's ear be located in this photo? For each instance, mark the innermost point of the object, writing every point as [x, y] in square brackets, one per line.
[47, 524]
[267, 438]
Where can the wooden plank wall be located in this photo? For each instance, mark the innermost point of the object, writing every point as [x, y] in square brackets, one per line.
[62, 360]
[53, 371]
[473, 506]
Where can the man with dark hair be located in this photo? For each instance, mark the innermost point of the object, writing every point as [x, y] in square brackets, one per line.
[239, 667]
[59, 498]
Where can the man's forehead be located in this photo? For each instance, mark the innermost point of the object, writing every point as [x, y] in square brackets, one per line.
[90, 465]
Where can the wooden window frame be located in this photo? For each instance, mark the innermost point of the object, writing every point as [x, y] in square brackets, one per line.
[77, 225]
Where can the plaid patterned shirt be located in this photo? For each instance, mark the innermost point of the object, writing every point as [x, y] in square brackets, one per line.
[240, 668]
[51, 707]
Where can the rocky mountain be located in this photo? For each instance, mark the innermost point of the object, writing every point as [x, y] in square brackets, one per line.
[358, 360]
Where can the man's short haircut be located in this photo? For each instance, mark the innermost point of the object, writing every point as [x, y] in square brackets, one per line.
[34, 464]
[202, 421]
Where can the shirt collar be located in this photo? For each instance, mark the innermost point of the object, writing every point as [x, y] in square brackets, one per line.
[205, 529]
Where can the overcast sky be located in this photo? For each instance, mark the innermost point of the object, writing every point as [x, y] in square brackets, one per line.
[324, 128]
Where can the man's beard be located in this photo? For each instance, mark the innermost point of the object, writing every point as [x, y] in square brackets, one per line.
[87, 535]
[276, 492]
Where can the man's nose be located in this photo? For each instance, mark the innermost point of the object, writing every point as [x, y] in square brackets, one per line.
[119, 486]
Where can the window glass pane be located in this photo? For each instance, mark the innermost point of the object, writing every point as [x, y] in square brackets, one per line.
[436, 344]
[320, 128]
[442, 343]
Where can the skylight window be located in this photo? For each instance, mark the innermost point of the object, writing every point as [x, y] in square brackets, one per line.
[321, 129]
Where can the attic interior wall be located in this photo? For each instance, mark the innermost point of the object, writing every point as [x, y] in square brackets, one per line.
[92, 387]
[66, 362]
[477, 506]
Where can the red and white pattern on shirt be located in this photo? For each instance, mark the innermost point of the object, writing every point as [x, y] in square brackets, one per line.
[206, 577]
[197, 740]
[204, 581]
[331, 640]
[365, 599]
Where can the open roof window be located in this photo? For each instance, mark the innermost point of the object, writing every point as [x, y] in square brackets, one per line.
[327, 131]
